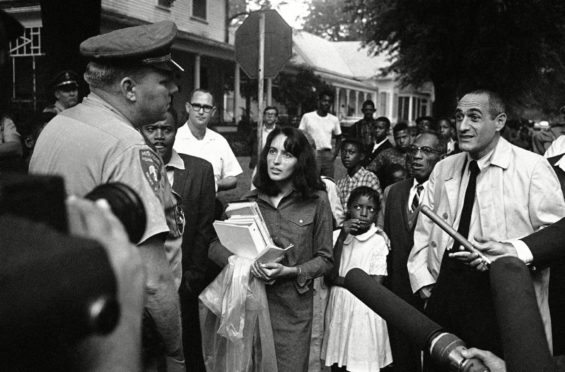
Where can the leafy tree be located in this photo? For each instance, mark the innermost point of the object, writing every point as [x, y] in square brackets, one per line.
[330, 20]
[299, 92]
[515, 47]
[240, 9]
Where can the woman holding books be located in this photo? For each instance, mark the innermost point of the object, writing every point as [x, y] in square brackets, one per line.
[295, 207]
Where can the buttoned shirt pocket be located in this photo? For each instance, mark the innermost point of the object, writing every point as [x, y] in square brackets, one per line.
[300, 222]
[300, 225]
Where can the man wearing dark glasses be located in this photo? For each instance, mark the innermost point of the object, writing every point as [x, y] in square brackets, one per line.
[194, 138]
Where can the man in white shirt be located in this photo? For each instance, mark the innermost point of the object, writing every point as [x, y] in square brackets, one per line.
[322, 126]
[194, 138]
[493, 190]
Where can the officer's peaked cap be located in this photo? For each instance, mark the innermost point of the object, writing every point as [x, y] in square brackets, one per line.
[64, 78]
[140, 45]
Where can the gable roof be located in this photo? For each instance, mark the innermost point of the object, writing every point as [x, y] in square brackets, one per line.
[346, 58]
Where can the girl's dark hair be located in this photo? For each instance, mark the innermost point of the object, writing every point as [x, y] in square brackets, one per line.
[305, 179]
[357, 192]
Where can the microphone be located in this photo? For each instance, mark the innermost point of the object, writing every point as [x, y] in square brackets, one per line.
[444, 348]
[519, 321]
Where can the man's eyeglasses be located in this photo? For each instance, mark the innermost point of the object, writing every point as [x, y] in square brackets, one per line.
[413, 149]
[198, 107]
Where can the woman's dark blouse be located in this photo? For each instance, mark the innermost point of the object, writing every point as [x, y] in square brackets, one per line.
[307, 223]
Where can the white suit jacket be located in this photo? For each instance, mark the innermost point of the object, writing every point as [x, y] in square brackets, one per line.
[517, 194]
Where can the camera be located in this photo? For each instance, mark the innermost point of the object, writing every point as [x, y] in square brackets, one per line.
[126, 205]
[42, 199]
[62, 288]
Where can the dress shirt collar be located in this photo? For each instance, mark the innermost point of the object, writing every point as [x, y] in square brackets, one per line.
[377, 145]
[189, 134]
[501, 155]
[485, 161]
[415, 184]
[368, 234]
[176, 161]
[561, 163]
[256, 194]
[362, 237]
[59, 106]
[360, 173]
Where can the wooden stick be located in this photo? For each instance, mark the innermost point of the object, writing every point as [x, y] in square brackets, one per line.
[453, 233]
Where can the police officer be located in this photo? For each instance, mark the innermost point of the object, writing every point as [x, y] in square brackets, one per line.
[130, 75]
[65, 89]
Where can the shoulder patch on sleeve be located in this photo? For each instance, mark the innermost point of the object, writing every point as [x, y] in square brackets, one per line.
[150, 165]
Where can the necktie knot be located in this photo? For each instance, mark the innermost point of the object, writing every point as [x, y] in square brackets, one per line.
[416, 200]
[419, 189]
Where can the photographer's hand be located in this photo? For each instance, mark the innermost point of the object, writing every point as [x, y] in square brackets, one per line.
[494, 363]
[120, 350]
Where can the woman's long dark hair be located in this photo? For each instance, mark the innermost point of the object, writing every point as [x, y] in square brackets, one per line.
[305, 178]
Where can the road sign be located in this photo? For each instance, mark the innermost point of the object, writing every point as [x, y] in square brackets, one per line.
[278, 44]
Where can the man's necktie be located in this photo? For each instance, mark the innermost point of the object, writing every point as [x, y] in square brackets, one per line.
[416, 200]
[468, 203]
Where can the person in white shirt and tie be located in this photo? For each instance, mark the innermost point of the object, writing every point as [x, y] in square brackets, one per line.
[491, 190]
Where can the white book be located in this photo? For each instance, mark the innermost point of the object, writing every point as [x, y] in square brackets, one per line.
[273, 253]
[243, 240]
[245, 233]
[247, 208]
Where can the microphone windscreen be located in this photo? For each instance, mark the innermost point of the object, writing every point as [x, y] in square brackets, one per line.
[519, 320]
[415, 325]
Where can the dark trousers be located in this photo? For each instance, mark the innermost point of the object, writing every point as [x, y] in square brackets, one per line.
[557, 306]
[461, 302]
[191, 336]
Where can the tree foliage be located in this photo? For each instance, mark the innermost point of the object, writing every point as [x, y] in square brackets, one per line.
[240, 9]
[299, 92]
[330, 20]
[516, 47]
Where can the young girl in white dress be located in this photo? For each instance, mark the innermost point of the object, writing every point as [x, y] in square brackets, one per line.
[356, 338]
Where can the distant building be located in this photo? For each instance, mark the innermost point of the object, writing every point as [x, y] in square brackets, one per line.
[209, 63]
[357, 76]
[200, 48]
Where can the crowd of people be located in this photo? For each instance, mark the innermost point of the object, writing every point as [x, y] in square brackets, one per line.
[479, 177]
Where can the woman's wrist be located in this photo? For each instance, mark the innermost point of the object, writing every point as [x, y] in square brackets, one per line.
[293, 271]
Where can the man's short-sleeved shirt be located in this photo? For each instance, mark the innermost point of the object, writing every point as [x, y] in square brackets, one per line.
[321, 128]
[91, 144]
[213, 147]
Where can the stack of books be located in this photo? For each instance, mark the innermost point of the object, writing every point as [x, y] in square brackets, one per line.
[245, 233]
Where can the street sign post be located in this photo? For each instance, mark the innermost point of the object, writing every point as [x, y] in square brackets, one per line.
[263, 45]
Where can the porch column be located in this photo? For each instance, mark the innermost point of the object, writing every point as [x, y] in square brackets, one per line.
[336, 102]
[236, 94]
[410, 111]
[356, 103]
[347, 102]
[197, 71]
